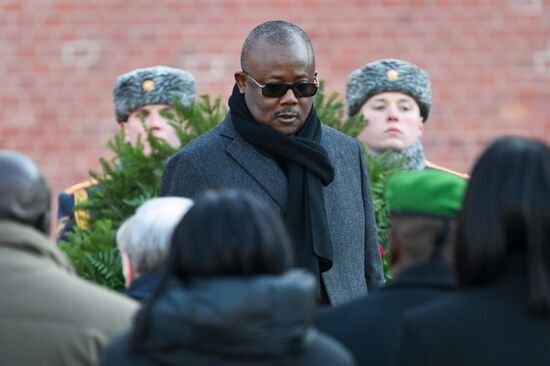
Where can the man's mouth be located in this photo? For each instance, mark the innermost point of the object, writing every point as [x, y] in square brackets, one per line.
[288, 117]
[157, 132]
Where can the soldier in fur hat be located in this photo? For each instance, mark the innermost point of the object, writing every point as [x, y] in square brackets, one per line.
[140, 97]
[144, 94]
[395, 96]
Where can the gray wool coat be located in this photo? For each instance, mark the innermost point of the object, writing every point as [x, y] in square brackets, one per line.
[221, 158]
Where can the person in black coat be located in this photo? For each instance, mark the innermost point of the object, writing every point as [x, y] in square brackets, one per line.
[423, 206]
[228, 295]
[501, 316]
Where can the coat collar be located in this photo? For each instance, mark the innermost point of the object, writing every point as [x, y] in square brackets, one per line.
[24, 238]
[435, 274]
[142, 287]
[262, 168]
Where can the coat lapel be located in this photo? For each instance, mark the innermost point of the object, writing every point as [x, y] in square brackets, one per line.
[260, 167]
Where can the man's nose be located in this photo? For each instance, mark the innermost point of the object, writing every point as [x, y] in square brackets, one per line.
[289, 97]
[155, 119]
[393, 115]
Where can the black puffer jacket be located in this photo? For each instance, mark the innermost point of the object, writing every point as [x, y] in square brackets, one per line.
[264, 320]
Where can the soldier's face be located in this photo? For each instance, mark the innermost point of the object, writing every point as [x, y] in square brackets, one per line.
[159, 126]
[269, 63]
[393, 122]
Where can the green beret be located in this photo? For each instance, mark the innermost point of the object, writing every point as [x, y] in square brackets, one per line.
[428, 192]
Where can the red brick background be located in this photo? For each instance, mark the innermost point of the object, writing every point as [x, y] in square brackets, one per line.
[489, 61]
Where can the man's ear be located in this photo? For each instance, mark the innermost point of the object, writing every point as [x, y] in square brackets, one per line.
[394, 255]
[240, 79]
[124, 128]
[421, 128]
[395, 252]
[127, 269]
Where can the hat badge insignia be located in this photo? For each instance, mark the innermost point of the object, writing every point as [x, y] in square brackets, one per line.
[148, 85]
[392, 75]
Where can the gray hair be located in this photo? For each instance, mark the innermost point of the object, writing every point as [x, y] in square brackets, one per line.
[274, 32]
[145, 237]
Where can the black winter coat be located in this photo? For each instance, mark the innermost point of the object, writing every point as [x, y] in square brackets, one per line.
[369, 326]
[484, 325]
[263, 320]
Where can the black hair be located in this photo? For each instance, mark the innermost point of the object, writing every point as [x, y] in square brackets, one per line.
[507, 210]
[277, 32]
[229, 233]
[225, 233]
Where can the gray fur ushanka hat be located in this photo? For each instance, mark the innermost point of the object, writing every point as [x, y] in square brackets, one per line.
[152, 85]
[389, 75]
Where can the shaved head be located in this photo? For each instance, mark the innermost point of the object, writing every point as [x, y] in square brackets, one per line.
[24, 193]
[277, 32]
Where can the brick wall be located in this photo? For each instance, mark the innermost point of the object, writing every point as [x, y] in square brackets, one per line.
[489, 61]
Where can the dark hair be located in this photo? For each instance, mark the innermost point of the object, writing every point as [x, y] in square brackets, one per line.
[225, 233]
[507, 209]
[24, 192]
[229, 233]
[277, 32]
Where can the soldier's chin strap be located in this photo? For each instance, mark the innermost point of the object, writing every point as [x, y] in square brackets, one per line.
[440, 239]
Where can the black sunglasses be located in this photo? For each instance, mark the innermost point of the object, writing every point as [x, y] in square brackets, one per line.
[277, 90]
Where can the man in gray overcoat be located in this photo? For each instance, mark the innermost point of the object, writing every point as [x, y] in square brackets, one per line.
[272, 144]
[49, 316]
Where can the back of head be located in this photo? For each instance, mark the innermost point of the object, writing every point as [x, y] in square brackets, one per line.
[225, 233]
[24, 193]
[423, 205]
[229, 233]
[145, 236]
[507, 211]
[276, 32]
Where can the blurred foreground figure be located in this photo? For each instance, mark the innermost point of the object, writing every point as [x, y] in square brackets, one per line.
[423, 209]
[501, 316]
[48, 316]
[228, 295]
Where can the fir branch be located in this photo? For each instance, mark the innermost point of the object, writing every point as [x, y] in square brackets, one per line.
[123, 184]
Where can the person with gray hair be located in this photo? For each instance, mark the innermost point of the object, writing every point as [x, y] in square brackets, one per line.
[49, 315]
[273, 144]
[144, 239]
[395, 97]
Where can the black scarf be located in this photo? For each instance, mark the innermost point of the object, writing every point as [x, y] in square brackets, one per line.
[308, 168]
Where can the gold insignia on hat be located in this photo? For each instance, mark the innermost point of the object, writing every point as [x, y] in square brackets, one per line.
[392, 75]
[148, 85]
